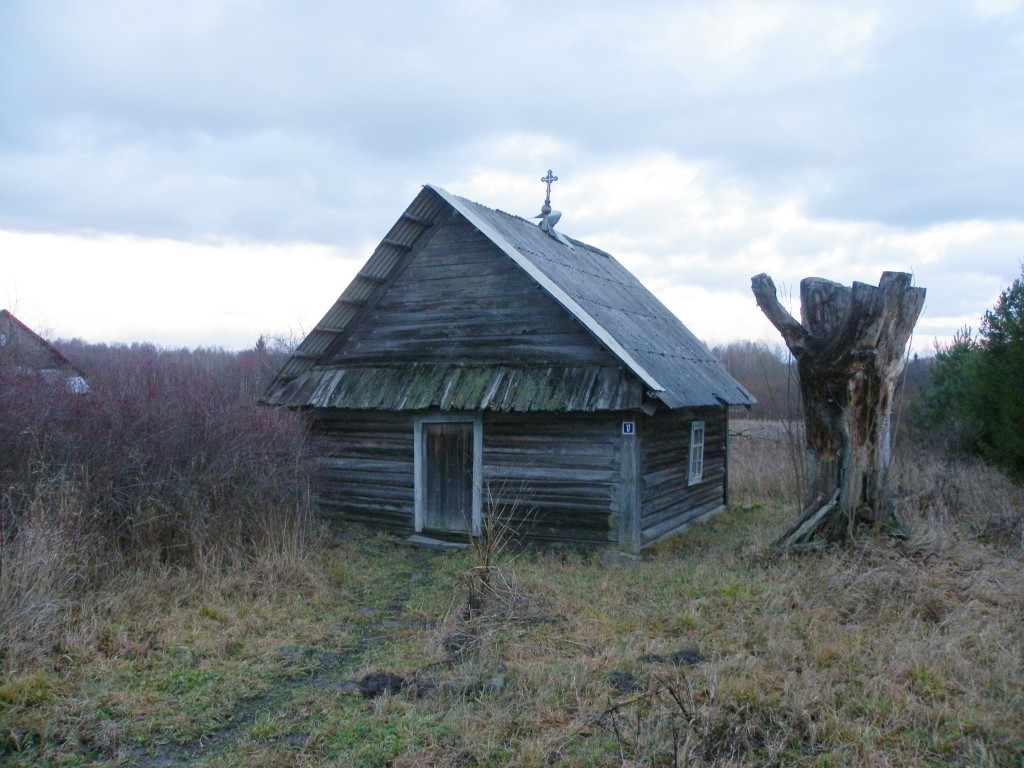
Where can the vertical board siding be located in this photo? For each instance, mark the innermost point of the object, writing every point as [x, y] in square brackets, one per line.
[365, 471]
[463, 300]
[553, 477]
[668, 501]
[449, 476]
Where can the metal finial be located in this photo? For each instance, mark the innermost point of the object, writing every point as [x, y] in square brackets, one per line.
[548, 218]
[547, 180]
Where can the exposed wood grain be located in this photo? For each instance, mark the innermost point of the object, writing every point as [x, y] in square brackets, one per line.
[669, 502]
[849, 350]
[462, 300]
[630, 488]
[561, 475]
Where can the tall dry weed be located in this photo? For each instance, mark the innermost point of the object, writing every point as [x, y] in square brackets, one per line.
[47, 560]
[167, 463]
[944, 489]
[767, 462]
[944, 493]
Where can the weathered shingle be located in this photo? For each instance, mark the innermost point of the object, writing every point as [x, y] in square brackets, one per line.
[453, 387]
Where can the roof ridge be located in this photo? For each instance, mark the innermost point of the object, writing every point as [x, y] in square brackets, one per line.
[554, 289]
[621, 314]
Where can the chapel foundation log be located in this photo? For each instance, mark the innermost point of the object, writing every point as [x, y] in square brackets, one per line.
[849, 347]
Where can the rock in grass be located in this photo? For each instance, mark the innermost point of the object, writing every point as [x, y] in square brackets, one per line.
[686, 658]
[421, 688]
[494, 685]
[624, 682]
[344, 686]
[478, 686]
[378, 683]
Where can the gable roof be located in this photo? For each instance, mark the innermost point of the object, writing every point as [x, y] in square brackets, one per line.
[673, 365]
[26, 352]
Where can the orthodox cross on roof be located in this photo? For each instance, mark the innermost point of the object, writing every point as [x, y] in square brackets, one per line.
[548, 218]
[547, 180]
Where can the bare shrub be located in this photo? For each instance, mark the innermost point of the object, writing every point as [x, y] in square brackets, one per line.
[169, 450]
[167, 462]
[684, 718]
[497, 607]
[490, 582]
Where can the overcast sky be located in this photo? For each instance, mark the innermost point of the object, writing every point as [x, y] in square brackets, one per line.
[202, 172]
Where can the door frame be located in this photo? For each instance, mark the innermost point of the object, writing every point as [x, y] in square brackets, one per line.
[420, 464]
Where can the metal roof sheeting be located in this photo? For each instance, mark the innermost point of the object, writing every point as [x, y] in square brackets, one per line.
[672, 364]
[656, 344]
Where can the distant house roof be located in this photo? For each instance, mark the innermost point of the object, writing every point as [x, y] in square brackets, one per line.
[618, 311]
[25, 352]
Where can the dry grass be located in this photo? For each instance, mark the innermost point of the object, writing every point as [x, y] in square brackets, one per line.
[952, 493]
[944, 491]
[44, 567]
[878, 653]
[766, 462]
[56, 567]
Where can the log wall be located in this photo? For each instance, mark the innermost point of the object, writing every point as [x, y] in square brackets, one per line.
[668, 502]
[552, 477]
[365, 472]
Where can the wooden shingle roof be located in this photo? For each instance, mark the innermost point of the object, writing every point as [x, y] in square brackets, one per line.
[670, 364]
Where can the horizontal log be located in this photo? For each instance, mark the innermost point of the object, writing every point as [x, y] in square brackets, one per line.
[676, 526]
[680, 506]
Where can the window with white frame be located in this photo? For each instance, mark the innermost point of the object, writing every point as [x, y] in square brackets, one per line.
[696, 452]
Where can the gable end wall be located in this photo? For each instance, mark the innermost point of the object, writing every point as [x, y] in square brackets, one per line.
[463, 300]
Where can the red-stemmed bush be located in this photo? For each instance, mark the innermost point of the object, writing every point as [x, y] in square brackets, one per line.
[169, 454]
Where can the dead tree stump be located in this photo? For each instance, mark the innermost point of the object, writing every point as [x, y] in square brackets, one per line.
[849, 349]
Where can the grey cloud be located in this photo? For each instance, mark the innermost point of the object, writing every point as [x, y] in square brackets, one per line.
[295, 120]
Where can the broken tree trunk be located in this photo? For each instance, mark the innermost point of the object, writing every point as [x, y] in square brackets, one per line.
[849, 349]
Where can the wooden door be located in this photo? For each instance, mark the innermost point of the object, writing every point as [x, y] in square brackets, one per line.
[448, 497]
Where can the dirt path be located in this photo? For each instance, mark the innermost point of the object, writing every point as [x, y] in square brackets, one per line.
[326, 668]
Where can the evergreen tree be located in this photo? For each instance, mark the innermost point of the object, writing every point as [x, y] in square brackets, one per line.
[1001, 380]
[977, 393]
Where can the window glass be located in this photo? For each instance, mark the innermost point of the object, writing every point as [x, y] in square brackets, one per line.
[696, 452]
